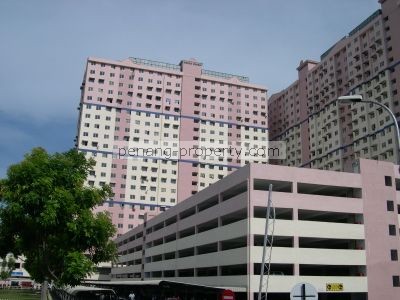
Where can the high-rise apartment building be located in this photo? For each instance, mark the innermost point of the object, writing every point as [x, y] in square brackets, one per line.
[143, 121]
[318, 131]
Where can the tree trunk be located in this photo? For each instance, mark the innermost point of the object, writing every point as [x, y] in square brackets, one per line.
[43, 293]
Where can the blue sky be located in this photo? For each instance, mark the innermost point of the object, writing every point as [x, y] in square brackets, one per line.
[44, 45]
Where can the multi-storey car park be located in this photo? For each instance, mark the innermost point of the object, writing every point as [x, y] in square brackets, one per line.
[331, 229]
[142, 103]
[319, 132]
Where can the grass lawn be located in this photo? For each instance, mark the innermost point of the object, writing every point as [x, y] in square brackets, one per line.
[6, 294]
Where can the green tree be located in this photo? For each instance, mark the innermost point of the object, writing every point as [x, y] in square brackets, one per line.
[7, 266]
[46, 215]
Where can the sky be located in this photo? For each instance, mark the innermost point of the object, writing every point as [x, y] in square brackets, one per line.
[44, 45]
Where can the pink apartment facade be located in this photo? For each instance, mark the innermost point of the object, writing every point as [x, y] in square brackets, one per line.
[322, 134]
[138, 103]
[331, 228]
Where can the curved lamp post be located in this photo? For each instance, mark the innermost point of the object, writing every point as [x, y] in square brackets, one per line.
[359, 99]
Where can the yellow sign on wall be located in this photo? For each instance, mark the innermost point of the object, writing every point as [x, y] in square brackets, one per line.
[334, 287]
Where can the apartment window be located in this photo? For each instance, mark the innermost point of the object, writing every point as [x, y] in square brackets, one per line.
[392, 229]
[390, 205]
[388, 180]
[394, 255]
[120, 225]
[396, 281]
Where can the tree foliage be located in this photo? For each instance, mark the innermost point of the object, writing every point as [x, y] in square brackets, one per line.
[7, 266]
[46, 214]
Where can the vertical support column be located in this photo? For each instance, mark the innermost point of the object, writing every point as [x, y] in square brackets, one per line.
[296, 241]
[250, 269]
[219, 250]
[142, 273]
[250, 236]
[294, 187]
[178, 219]
[219, 225]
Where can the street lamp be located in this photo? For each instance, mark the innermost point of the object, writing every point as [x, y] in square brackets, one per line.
[359, 99]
